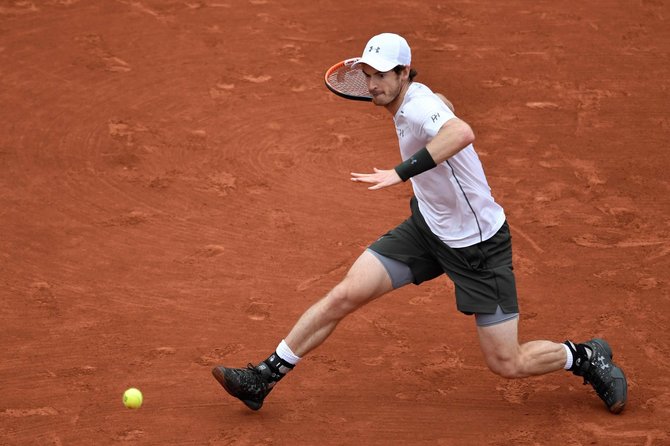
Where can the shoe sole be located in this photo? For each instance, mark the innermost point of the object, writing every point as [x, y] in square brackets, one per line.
[617, 373]
[617, 407]
[219, 375]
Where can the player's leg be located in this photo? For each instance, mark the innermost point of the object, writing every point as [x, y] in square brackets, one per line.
[591, 360]
[367, 279]
[506, 357]
[397, 258]
[491, 274]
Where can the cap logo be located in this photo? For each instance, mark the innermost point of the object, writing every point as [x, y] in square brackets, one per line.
[373, 48]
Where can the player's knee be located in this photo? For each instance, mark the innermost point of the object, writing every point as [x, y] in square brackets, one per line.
[506, 366]
[342, 300]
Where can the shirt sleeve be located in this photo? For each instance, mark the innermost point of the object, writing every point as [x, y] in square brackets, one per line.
[432, 113]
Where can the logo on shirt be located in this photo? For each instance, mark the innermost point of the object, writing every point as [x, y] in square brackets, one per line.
[435, 117]
[401, 133]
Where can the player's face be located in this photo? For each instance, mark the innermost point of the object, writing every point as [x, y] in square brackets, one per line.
[385, 87]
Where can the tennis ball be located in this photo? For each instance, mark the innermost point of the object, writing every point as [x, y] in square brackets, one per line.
[132, 398]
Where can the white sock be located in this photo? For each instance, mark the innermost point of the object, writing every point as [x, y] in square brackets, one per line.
[285, 353]
[569, 358]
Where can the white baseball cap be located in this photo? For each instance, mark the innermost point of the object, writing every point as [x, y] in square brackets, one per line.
[386, 51]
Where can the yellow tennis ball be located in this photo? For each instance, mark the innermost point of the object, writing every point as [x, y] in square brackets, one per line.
[132, 398]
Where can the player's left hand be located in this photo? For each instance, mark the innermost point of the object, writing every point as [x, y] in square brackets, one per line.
[380, 178]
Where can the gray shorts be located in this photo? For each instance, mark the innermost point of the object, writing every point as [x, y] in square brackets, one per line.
[482, 274]
[401, 275]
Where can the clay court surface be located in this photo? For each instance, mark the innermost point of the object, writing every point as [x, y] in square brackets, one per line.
[174, 192]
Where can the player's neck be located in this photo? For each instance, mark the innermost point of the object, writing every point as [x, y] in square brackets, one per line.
[395, 104]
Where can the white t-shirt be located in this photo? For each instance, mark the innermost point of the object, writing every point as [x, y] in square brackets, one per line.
[454, 197]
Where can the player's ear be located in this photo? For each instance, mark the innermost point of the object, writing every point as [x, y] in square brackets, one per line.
[405, 72]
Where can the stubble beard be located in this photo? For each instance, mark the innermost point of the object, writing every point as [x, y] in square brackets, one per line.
[377, 99]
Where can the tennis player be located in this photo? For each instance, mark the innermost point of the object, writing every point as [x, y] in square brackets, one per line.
[455, 228]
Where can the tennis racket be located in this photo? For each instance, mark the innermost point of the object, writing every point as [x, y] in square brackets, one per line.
[348, 82]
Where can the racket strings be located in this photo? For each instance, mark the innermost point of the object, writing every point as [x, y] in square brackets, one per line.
[349, 81]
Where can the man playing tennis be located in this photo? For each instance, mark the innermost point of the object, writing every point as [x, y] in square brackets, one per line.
[455, 227]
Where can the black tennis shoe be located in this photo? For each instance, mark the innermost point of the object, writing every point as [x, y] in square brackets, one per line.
[607, 379]
[250, 385]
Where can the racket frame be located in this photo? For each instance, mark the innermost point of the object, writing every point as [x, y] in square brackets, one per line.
[334, 69]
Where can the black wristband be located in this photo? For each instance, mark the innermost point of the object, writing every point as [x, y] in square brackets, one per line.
[418, 163]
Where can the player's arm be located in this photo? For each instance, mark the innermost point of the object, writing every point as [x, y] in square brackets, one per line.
[453, 136]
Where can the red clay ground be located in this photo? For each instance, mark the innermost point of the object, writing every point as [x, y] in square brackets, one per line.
[174, 192]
